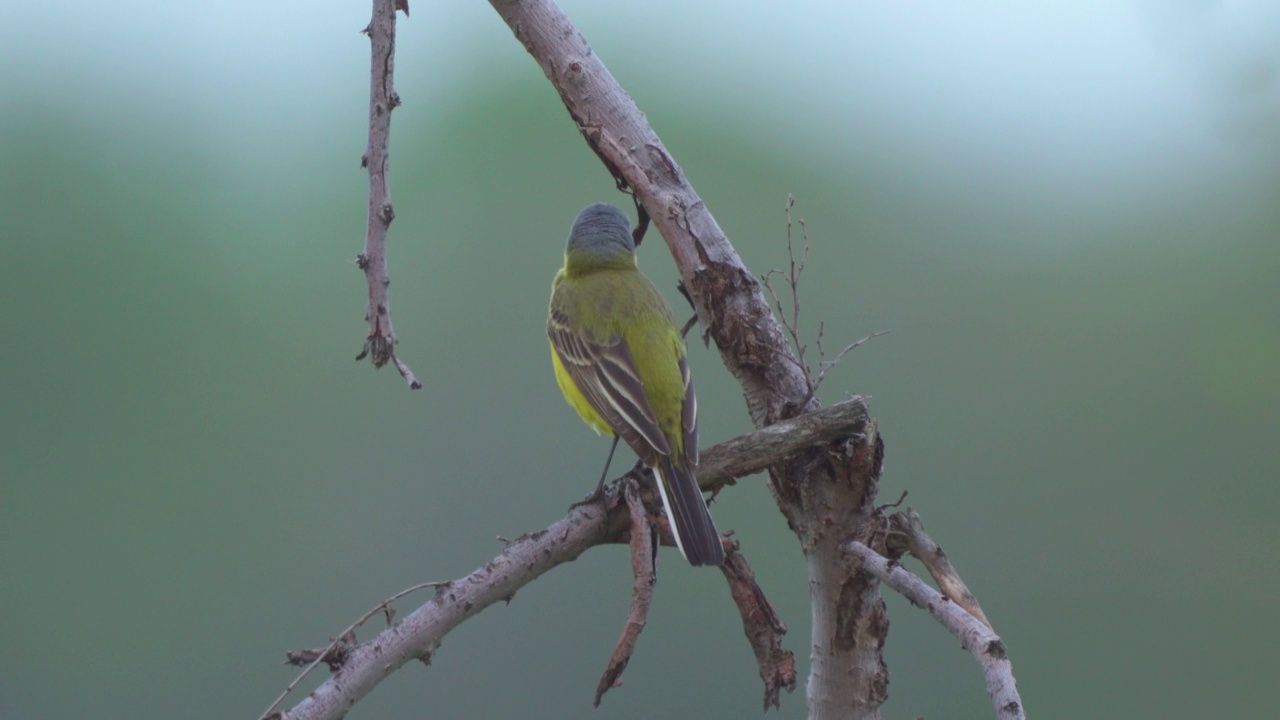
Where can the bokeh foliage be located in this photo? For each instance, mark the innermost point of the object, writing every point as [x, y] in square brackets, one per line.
[1081, 388]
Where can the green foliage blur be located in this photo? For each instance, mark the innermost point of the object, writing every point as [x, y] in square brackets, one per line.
[1078, 262]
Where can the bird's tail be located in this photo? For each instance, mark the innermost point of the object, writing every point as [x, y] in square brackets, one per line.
[691, 523]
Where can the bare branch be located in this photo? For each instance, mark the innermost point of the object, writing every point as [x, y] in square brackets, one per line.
[792, 276]
[976, 637]
[343, 641]
[527, 557]
[794, 272]
[825, 365]
[763, 628]
[757, 451]
[379, 346]
[419, 633]
[909, 535]
[644, 565]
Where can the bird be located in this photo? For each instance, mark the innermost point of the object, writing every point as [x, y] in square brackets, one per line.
[622, 365]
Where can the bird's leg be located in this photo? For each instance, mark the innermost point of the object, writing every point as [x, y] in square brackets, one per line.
[684, 331]
[598, 495]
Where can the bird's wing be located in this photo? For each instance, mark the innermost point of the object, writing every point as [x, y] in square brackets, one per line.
[606, 375]
[689, 414]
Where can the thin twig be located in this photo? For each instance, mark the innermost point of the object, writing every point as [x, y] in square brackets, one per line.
[792, 276]
[792, 325]
[644, 565]
[981, 642]
[346, 637]
[893, 504]
[795, 271]
[380, 344]
[824, 365]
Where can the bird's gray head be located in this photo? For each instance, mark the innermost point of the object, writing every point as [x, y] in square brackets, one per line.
[602, 232]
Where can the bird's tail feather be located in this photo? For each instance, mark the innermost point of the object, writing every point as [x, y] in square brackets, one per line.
[686, 509]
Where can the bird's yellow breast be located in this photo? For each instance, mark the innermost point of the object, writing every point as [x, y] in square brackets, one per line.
[576, 399]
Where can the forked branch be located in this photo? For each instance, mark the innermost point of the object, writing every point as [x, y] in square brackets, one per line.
[529, 556]
[908, 535]
[974, 635]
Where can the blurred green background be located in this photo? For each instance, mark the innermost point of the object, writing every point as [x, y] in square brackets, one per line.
[1066, 214]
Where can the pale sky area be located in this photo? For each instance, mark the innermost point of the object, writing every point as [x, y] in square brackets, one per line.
[1078, 94]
